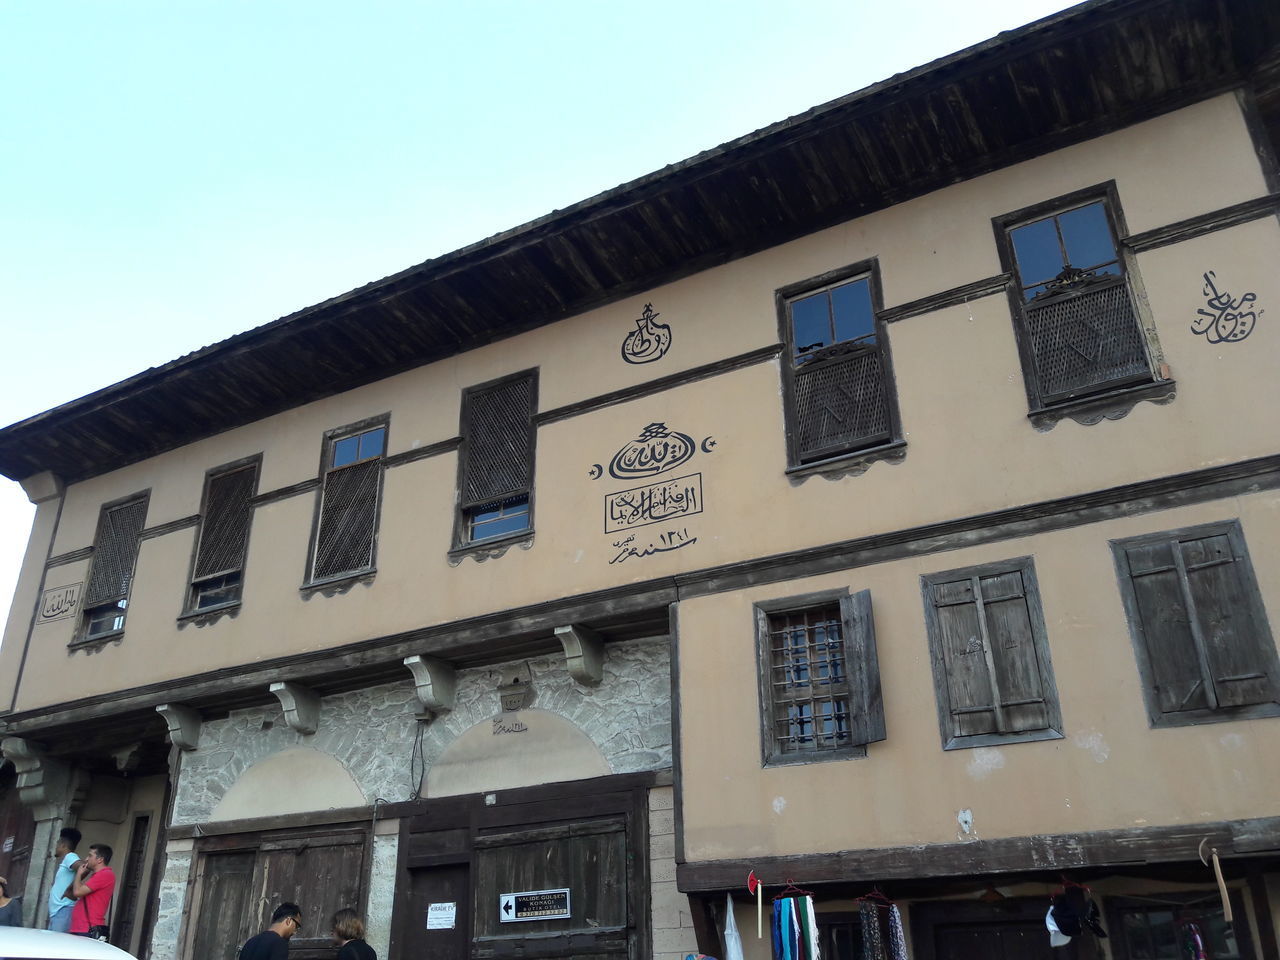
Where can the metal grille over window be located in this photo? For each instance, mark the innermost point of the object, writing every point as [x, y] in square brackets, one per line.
[348, 518]
[115, 550]
[809, 680]
[499, 442]
[225, 530]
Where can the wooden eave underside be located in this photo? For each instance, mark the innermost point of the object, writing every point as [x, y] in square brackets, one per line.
[1068, 78]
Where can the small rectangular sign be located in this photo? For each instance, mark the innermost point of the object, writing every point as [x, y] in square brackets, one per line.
[8, 844]
[441, 916]
[534, 905]
[59, 603]
[662, 502]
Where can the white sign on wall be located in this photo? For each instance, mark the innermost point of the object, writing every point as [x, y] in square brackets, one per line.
[441, 916]
[534, 905]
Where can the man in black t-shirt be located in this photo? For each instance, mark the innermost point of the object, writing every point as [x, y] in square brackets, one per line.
[272, 943]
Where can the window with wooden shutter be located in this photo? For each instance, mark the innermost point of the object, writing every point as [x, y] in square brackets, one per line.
[840, 394]
[1076, 317]
[990, 655]
[347, 526]
[819, 677]
[1199, 630]
[496, 460]
[115, 551]
[217, 573]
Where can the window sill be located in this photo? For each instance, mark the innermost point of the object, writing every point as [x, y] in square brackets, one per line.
[1188, 718]
[1112, 405]
[490, 549]
[852, 464]
[333, 586]
[1000, 739]
[815, 756]
[94, 644]
[209, 615]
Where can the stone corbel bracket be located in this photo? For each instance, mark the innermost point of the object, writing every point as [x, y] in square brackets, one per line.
[583, 653]
[301, 706]
[43, 783]
[184, 725]
[436, 684]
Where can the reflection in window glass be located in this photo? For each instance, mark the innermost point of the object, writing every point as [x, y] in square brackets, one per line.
[1079, 238]
[1037, 251]
[1086, 236]
[498, 519]
[836, 315]
[345, 451]
[360, 446]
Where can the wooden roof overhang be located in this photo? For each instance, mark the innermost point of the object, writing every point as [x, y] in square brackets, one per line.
[1097, 67]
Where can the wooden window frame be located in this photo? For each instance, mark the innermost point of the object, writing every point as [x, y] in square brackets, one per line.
[462, 544]
[1039, 640]
[783, 298]
[331, 437]
[1114, 907]
[189, 608]
[1256, 610]
[862, 668]
[82, 636]
[1045, 411]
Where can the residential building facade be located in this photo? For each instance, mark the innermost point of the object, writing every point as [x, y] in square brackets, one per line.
[887, 500]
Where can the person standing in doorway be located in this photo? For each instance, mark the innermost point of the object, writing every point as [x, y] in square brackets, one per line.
[59, 903]
[10, 907]
[273, 942]
[92, 887]
[348, 934]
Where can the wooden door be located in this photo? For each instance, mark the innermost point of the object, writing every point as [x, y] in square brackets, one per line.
[441, 886]
[128, 894]
[321, 875]
[17, 831]
[995, 941]
[227, 914]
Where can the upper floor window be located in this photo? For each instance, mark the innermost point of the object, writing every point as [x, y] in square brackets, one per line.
[347, 525]
[819, 677]
[840, 396]
[496, 460]
[990, 655]
[1078, 328]
[115, 552]
[1199, 630]
[224, 537]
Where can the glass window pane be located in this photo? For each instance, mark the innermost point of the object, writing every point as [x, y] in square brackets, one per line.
[371, 443]
[851, 304]
[346, 450]
[811, 322]
[1087, 236]
[1036, 248]
[498, 520]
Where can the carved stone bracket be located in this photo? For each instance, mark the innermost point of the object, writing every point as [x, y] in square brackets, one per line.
[435, 682]
[301, 706]
[583, 652]
[44, 784]
[184, 725]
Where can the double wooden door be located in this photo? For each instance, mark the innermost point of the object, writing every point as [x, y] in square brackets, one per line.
[240, 882]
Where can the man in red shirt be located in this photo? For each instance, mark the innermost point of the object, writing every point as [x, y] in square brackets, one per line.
[91, 889]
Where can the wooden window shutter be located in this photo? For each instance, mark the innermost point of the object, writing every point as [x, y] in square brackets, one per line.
[348, 519]
[990, 663]
[863, 667]
[498, 425]
[224, 532]
[115, 551]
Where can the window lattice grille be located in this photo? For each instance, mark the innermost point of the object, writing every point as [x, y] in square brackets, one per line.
[842, 404]
[348, 516]
[499, 442]
[115, 548]
[809, 680]
[225, 530]
[1083, 341]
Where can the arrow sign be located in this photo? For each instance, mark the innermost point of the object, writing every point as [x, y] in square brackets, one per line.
[508, 901]
[534, 905]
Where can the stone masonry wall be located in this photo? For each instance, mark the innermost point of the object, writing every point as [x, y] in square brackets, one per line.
[672, 924]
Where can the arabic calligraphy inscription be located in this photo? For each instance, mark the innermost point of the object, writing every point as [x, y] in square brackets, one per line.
[655, 451]
[1224, 319]
[649, 341]
[666, 541]
[58, 603]
[659, 502]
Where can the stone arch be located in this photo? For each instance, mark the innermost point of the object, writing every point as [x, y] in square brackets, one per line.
[515, 750]
[295, 780]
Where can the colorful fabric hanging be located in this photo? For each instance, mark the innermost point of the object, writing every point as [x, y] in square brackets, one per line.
[1194, 942]
[897, 938]
[795, 929]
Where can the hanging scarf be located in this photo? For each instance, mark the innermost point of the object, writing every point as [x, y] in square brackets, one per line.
[814, 951]
[897, 939]
[1195, 944]
[732, 939]
[872, 946]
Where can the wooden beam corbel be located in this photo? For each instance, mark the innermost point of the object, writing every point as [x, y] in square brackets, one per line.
[301, 706]
[184, 724]
[436, 683]
[583, 653]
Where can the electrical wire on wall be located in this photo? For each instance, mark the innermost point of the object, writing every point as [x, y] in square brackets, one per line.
[417, 761]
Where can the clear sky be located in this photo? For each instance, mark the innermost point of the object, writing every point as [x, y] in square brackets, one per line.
[176, 171]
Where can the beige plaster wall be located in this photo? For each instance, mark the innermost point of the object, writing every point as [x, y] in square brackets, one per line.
[970, 447]
[1110, 771]
[297, 780]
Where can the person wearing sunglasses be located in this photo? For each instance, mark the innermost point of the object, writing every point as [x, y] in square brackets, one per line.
[273, 942]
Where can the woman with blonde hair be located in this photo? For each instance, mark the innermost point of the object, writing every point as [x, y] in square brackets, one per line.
[348, 933]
